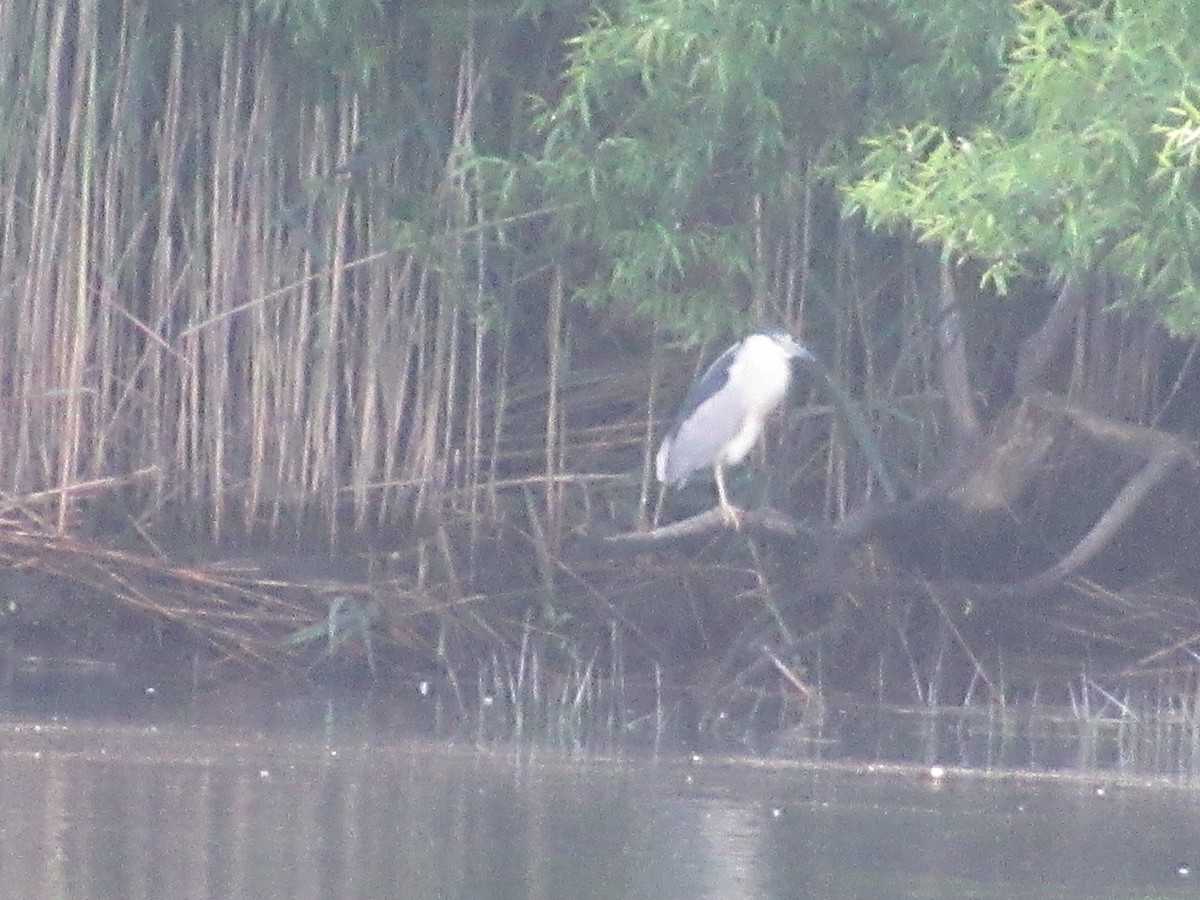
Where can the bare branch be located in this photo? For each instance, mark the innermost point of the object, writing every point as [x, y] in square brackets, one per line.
[1163, 452]
[1039, 348]
[955, 373]
[710, 522]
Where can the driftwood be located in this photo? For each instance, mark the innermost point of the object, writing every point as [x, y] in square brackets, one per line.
[994, 480]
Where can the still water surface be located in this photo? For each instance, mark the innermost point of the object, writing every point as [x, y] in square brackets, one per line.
[178, 810]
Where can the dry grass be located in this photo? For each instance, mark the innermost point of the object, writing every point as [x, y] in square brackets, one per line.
[207, 283]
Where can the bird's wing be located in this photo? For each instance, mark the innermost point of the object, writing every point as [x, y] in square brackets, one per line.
[707, 385]
[700, 437]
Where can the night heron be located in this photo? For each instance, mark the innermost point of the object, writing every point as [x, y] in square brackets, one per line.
[723, 413]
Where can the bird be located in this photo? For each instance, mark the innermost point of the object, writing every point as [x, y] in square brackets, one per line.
[725, 409]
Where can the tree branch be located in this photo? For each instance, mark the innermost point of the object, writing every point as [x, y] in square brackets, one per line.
[710, 522]
[1039, 348]
[1163, 452]
[955, 373]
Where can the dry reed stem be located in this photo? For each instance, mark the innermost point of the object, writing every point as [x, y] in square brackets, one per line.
[239, 616]
[256, 400]
[173, 318]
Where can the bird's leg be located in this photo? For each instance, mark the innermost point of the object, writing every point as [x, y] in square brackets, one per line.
[729, 512]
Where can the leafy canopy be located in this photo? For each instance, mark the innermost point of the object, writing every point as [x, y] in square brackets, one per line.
[1085, 161]
[684, 129]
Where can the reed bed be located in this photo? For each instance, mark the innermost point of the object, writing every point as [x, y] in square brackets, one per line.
[201, 290]
[244, 305]
[212, 288]
[221, 328]
[238, 617]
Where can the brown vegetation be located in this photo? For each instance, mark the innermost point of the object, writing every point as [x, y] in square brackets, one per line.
[214, 337]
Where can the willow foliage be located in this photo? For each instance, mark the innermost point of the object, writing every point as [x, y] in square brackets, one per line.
[686, 130]
[1084, 161]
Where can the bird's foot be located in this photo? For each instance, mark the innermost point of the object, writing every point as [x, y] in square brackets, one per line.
[731, 515]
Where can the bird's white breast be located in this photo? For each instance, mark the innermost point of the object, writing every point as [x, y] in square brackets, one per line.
[761, 375]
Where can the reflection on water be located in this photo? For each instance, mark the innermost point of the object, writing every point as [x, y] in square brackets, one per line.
[1148, 743]
[184, 811]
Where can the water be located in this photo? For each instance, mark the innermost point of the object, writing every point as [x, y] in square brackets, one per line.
[95, 810]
